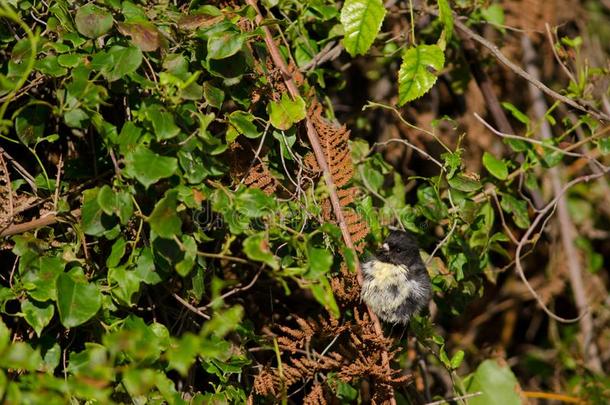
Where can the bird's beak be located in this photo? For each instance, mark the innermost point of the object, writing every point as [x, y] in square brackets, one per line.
[385, 247]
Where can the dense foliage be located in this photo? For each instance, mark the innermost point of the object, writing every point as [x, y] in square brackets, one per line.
[171, 233]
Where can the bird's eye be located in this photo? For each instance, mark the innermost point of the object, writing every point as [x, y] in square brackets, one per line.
[397, 250]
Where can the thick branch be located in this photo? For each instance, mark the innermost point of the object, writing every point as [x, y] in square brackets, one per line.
[35, 224]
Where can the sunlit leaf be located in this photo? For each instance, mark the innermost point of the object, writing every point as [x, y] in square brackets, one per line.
[418, 71]
[361, 20]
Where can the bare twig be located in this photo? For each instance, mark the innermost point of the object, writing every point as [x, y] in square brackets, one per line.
[222, 257]
[22, 171]
[484, 83]
[525, 239]
[551, 37]
[565, 222]
[519, 71]
[425, 154]
[331, 51]
[189, 306]
[454, 399]
[235, 290]
[314, 140]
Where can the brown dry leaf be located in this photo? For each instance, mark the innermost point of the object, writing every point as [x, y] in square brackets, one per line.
[192, 22]
[144, 35]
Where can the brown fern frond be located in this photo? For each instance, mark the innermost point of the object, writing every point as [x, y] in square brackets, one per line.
[264, 383]
[315, 396]
[335, 146]
[254, 176]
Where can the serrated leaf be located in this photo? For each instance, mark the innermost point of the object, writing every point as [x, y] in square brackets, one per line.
[285, 113]
[496, 167]
[93, 21]
[148, 167]
[414, 76]
[77, 300]
[361, 20]
[164, 219]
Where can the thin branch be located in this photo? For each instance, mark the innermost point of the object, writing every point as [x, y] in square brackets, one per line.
[565, 222]
[331, 51]
[235, 290]
[222, 257]
[27, 176]
[454, 399]
[425, 154]
[190, 307]
[519, 71]
[484, 83]
[525, 239]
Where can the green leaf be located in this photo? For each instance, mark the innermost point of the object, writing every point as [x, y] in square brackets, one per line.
[518, 209]
[37, 314]
[223, 44]
[185, 266]
[213, 95]
[516, 113]
[496, 382]
[145, 268]
[444, 11]
[323, 293]
[361, 20]
[495, 166]
[414, 76]
[124, 283]
[116, 253]
[163, 122]
[164, 219]
[457, 359]
[464, 183]
[77, 300]
[256, 248]
[5, 336]
[182, 353]
[319, 261]
[93, 21]
[494, 14]
[285, 113]
[117, 62]
[148, 167]
[91, 214]
[40, 278]
[115, 203]
[242, 123]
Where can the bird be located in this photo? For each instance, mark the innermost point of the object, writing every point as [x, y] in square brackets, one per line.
[396, 284]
